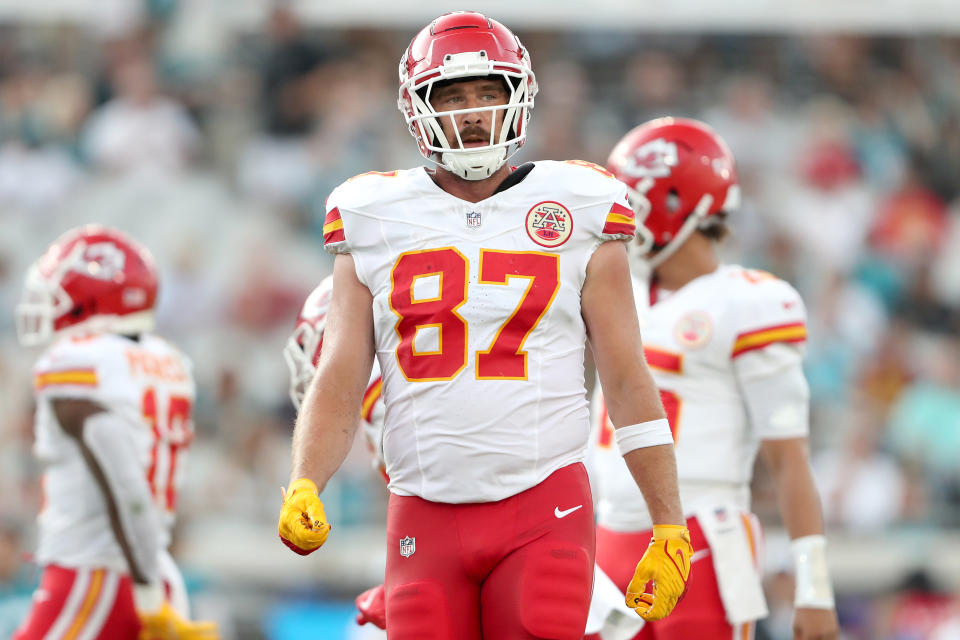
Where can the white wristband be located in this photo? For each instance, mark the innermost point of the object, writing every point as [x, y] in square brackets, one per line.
[644, 434]
[813, 589]
[148, 598]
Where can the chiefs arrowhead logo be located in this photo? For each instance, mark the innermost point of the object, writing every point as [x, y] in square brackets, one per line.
[654, 159]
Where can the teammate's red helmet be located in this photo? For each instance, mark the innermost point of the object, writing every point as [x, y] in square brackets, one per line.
[302, 351]
[466, 44]
[92, 278]
[679, 173]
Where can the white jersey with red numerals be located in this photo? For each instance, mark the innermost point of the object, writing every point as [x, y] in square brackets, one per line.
[477, 321]
[146, 384]
[697, 342]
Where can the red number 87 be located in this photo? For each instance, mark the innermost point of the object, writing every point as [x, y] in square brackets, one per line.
[505, 359]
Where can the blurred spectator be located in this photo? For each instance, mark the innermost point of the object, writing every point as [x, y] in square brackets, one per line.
[140, 131]
[39, 113]
[844, 321]
[945, 271]
[925, 423]
[910, 223]
[949, 629]
[278, 165]
[888, 369]
[863, 488]
[913, 610]
[290, 76]
[920, 305]
[827, 209]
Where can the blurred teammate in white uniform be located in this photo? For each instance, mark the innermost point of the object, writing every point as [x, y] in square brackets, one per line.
[113, 425]
[725, 345]
[476, 286]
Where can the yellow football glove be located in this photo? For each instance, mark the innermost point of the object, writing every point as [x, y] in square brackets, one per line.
[666, 563]
[303, 524]
[166, 624]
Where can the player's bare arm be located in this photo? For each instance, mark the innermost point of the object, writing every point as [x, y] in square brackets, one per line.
[72, 414]
[789, 464]
[634, 406]
[327, 421]
[328, 418]
[632, 398]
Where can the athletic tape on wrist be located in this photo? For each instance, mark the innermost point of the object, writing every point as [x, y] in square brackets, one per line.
[644, 434]
[148, 598]
[813, 589]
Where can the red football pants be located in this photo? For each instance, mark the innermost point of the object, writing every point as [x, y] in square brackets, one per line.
[81, 604]
[517, 569]
[700, 614]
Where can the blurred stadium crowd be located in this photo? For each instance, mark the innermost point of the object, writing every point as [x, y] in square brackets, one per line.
[217, 153]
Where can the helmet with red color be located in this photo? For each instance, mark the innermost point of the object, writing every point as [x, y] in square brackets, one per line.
[91, 279]
[463, 45]
[679, 174]
[302, 351]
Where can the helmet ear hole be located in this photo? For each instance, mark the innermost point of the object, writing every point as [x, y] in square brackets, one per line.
[673, 202]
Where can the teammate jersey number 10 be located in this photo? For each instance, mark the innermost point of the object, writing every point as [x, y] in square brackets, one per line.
[504, 358]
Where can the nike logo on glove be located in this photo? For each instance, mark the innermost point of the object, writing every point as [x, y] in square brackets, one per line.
[565, 513]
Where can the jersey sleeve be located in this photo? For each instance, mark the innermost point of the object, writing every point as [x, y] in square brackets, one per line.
[621, 223]
[771, 312]
[767, 358]
[334, 235]
[606, 197]
[72, 368]
[351, 196]
[775, 391]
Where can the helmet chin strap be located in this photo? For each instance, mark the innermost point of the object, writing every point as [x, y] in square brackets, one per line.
[689, 226]
[474, 165]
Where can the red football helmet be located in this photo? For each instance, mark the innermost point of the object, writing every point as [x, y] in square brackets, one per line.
[302, 351]
[679, 173]
[466, 44]
[91, 279]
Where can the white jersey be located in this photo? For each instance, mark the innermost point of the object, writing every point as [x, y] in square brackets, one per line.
[477, 321]
[372, 412]
[701, 343]
[146, 384]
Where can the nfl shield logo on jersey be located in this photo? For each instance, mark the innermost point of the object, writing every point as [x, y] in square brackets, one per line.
[473, 219]
[408, 546]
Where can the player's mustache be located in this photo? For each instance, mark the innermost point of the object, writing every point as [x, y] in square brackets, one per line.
[474, 134]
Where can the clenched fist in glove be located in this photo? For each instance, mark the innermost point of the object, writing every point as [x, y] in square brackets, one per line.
[666, 563]
[303, 524]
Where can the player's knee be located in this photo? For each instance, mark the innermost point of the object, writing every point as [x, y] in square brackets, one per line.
[557, 583]
[418, 611]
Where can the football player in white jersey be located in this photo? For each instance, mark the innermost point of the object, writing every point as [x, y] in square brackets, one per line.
[113, 425]
[725, 345]
[301, 353]
[476, 286]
